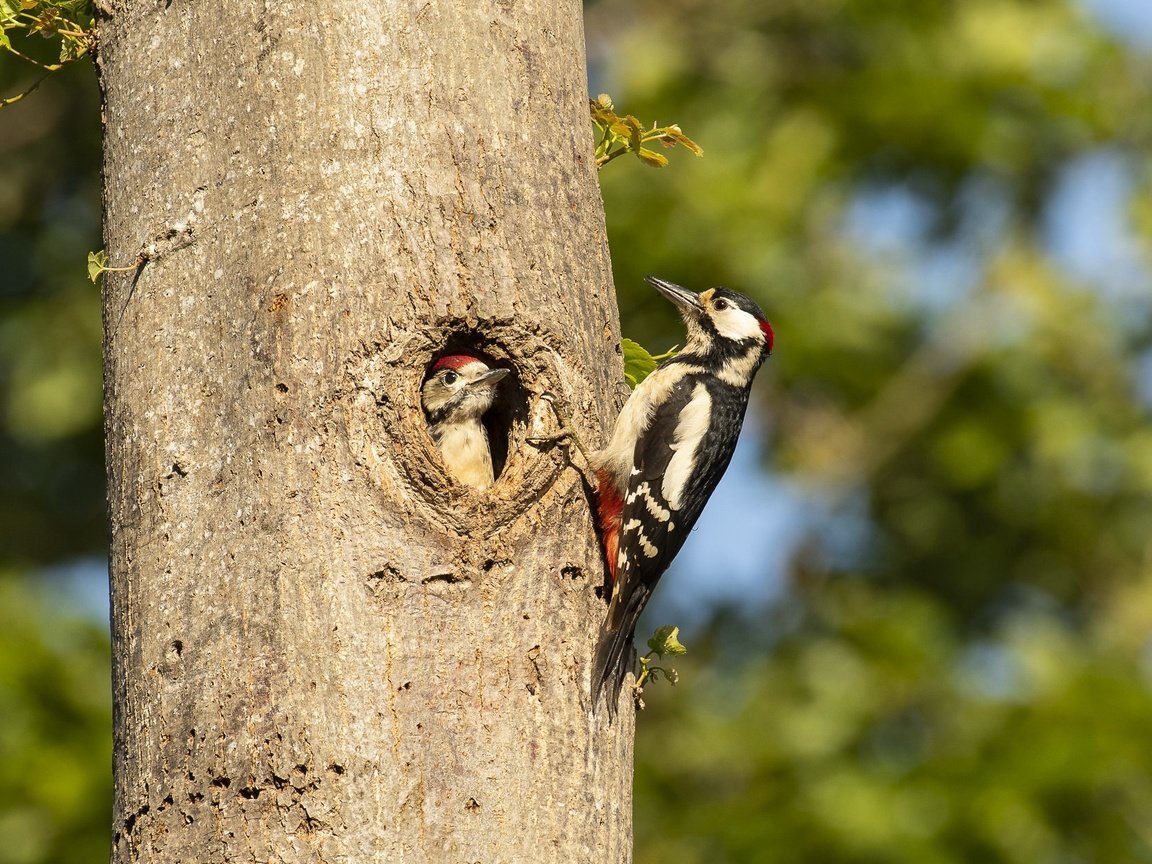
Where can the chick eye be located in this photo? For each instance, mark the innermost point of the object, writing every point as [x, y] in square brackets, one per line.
[450, 377]
[720, 305]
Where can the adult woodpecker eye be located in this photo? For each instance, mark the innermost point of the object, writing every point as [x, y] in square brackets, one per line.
[720, 305]
[450, 377]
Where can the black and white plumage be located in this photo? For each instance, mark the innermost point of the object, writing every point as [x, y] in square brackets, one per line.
[671, 444]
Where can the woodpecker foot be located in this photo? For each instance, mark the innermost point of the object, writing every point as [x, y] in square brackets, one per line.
[567, 431]
[566, 434]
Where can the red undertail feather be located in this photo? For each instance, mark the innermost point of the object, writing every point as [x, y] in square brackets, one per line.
[609, 511]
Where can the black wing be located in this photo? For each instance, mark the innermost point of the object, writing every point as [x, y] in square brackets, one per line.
[652, 530]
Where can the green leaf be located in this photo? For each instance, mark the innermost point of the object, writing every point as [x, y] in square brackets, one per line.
[638, 363]
[97, 264]
[70, 49]
[673, 133]
[652, 158]
[665, 642]
[47, 24]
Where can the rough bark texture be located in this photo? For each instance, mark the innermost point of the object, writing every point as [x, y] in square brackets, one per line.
[325, 649]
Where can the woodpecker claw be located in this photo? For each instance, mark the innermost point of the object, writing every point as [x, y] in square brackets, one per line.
[567, 431]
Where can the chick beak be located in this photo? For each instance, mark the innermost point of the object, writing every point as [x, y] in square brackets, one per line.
[688, 302]
[488, 378]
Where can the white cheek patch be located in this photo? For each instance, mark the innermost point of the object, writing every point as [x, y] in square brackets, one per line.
[690, 429]
[736, 324]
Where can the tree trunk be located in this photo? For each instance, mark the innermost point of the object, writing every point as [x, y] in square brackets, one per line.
[325, 648]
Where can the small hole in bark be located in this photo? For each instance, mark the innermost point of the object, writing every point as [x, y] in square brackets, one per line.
[282, 388]
[221, 782]
[250, 792]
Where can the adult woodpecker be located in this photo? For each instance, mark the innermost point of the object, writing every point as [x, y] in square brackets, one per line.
[458, 391]
[670, 446]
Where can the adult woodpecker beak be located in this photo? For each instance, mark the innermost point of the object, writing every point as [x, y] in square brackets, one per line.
[688, 302]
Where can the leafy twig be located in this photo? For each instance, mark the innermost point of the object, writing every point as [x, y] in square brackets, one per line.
[619, 135]
[665, 642]
[98, 264]
[70, 21]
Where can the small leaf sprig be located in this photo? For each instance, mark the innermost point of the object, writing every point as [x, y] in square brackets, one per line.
[98, 264]
[665, 642]
[618, 135]
[638, 363]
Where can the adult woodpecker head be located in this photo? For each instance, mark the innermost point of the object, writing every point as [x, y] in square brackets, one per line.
[669, 448]
[458, 391]
[718, 320]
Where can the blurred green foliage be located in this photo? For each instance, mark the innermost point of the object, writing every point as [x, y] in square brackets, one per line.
[957, 667]
[51, 443]
[55, 729]
[55, 688]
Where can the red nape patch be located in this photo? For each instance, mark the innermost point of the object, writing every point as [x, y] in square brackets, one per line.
[455, 361]
[768, 334]
[609, 512]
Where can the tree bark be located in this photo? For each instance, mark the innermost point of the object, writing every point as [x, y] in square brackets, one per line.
[325, 649]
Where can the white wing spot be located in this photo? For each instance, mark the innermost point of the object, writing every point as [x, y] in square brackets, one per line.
[650, 551]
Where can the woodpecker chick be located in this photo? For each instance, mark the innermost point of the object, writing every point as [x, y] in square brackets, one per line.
[455, 396]
[671, 444]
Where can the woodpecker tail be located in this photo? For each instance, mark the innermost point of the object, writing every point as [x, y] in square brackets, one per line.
[614, 650]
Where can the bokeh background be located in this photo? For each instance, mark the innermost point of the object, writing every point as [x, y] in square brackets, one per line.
[919, 607]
